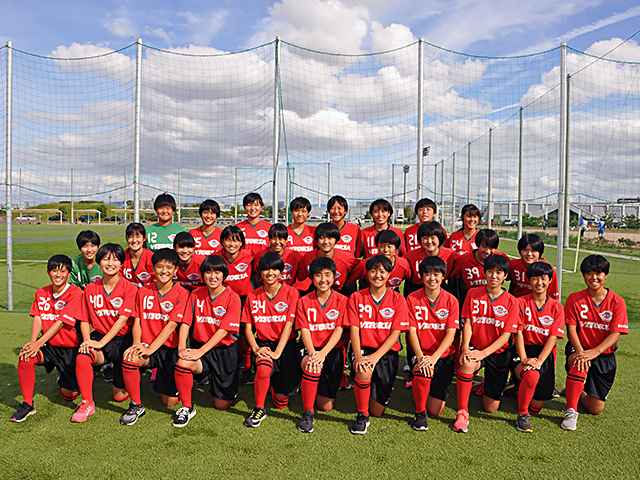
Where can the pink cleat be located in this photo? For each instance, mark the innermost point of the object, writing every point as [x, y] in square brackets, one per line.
[83, 411]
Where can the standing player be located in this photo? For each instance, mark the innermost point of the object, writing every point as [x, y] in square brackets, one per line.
[463, 240]
[207, 235]
[107, 308]
[596, 317]
[188, 271]
[433, 322]
[278, 235]
[137, 266]
[542, 323]
[425, 212]
[85, 269]
[380, 210]
[319, 319]
[337, 208]
[213, 313]
[254, 229]
[54, 340]
[531, 248]
[161, 234]
[159, 310]
[300, 235]
[271, 310]
[375, 317]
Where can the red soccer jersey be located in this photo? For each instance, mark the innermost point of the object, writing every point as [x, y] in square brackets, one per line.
[432, 320]
[538, 325]
[189, 277]
[305, 242]
[411, 237]
[142, 274]
[414, 258]
[596, 322]
[256, 237]
[206, 244]
[239, 278]
[208, 315]
[345, 264]
[401, 271]
[376, 320]
[367, 245]
[469, 269]
[268, 315]
[155, 311]
[349, 239]
[321, 320]
[459, 243]
[291, 261]
[490, 318]
[102, 309]
[520, 281]
[66, 307]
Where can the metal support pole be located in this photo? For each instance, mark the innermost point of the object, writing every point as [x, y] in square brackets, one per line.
[8, 153]
[235, 200]
[567, 179]
[287, 193]
[125, 195]
[328, 181]
[561, 182]
[405, 169]
[293, 182]
[442, 191]
[519, 235]
[276, 128]
[435, 183]
[453, 195]
[420, 159]
[490, 181]
[393, 194]
[136, 140]
[179, 198]
[469, 174]
[20, 203]
[72, 198]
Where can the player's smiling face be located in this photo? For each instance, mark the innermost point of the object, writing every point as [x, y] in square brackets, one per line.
[323, 280]
[253, 210]
[164, 270]
[594, 280]
[300, 215]
[529, 255]
[377, 276]
[337, 213]
[470, 221]
[59, 276]
[326, 244]
[231, 245]
[271, 276]
[110, 265]
[425, 214]
[483, 252]
[277, 244]
[88, 251]
[208, 218]
[540, 284]
[165, 214]
[495, 277]
[380, 216]
[185, 253]
[388, 250]
[432, 280]
[213, 279]
[135, 241]
[430, 244]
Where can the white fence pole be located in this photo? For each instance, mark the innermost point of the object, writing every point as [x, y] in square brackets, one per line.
[420, 168]
[561, 185]
[136, 140]
[276, 129]
[8, 153]
[519, 235]
[490, 182]
[567, 181]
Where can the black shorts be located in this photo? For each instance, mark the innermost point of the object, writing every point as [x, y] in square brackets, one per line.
[286, 373]
[332, 369]
[383, 375]
[600, 376]
[113, 352]
[496, 373]
[64, 360]
[164, 359]
[546, 384]
[223, 363]
[442, 376]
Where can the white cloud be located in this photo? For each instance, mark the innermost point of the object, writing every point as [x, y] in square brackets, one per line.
[158, 33]
[203, 26]
[120, 27]
[387, 38]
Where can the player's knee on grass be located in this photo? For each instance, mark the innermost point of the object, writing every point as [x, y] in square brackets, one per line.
[221, 404]
[375, 409]
[168, 401]
[592, 404]
[325, 404]
[490, 405]
[119, 394]
[435, 406]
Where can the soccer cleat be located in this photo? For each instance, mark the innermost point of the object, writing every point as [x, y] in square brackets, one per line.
[462, 422]
[83, 411]
[23, 412]
[256, 417]
[306, 422]
[183, 415]
[154, 375]
[421, 421]
[361, 424]
[133, 413]
[523, 423]
[344, 383]
[408, 383]
[556, 393]
[478, 388]
[107, 373]
[570, 421]
[247, 377]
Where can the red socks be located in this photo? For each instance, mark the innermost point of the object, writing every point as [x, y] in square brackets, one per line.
[84, 374]
[245, 350]
[184, 384]
[421, 387]
[527, 388]
[279, 402]
[131, 374]
[574, 387]
[463, 385]
[363, 393]
[534, 409]
[262, 381]
[309, 388]
[27, 378]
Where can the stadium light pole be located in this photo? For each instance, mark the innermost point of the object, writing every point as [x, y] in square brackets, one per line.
[8, 153]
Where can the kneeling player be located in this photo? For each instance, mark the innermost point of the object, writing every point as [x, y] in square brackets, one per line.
[159, 310]
[542, 323]
[595, 318]
[271, 309]
[54, 312]
[375, 316]
[214, 314]
[433, 322]
[319, 318]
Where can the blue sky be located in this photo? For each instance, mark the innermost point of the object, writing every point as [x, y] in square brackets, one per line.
[483, 27]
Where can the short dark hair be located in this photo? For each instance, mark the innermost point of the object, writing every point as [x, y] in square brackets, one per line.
[110, 249]
[270, 261]
[166, 254]
[338, 199]
[278, 230]
[164, 200]
[209, 205]
[388, 236]
[59, 261]
[252, 197]
[488, 238]
[430, 229]
[327, 229]
[471, 209]
[425, 202]
[377, 261]
[214, 263]
[538, 269]
[300, 202]
[496, 261]
[382, 204]
[533, 240]
[322, 263]
[596, 264]
[184, 239]
[233, 232]
[433, 264]
[87, 236]
[135, 227]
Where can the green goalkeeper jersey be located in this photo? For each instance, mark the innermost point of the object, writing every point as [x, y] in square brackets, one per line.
[81, 276]
[162, 237]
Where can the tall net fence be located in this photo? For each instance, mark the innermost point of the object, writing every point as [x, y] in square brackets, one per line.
[201, 123]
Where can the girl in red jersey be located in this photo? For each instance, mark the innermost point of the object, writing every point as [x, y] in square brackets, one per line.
[278, 243]
[425, 210]
[137, 266]
[380, 210]
[300, 235]
[463, 240]
[207, 236]
[337, 208]
[188, 271]
[254, 229]
[531, 248]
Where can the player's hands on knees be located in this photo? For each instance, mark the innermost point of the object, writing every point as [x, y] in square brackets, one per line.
[364, 364]
[582, 360]
[28, 351]
[263, 352]
[191, 354]
[313, 365]
[91, 344]
[130, 354]
[475, 356]
[426, 365]
[532, 364]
